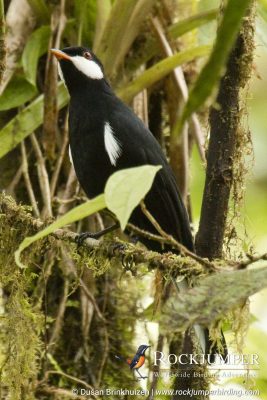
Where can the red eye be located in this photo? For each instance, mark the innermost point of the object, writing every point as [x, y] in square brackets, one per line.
[87, 55]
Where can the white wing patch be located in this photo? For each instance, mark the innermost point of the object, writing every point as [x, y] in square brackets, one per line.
[112, 145]
[70, 156]
[88, 67]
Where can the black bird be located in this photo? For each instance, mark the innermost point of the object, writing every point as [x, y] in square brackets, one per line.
[106, 136]
[138, 360]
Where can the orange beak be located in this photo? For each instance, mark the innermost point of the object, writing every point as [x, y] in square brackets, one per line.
[60, 55]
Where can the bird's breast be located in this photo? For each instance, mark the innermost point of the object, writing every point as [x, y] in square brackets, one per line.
[140, 362]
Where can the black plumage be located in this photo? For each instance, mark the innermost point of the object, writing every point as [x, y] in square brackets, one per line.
[93, 107]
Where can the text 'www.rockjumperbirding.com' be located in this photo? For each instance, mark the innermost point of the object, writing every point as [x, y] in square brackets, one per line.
[167, 392]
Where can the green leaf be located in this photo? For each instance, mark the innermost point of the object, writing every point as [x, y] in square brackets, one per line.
[213, 70]
[36, 46]
[25, 122]
[77, 213]
[126, 188]
[214, 297]
[160, 70]
[151, 47]
[85, 14]
[40, 10]
[195, 21]
[125, 19]
[18, 92]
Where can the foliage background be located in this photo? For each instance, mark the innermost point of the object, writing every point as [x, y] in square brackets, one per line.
[27, 82]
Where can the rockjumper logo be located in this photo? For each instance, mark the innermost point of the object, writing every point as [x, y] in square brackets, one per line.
[160, 359]
[137, 361]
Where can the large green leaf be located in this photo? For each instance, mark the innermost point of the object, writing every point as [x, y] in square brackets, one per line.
[160, 70]
[17, 92]
[27, 121]
[213, 70]
[84, 210]
[126, 188]
[36, 46]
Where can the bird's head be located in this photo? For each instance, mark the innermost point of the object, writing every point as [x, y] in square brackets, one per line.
[142, 349]
[78, 66]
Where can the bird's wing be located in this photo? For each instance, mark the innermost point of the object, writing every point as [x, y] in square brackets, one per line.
[139, 147]
[168, 208]
[134, 361]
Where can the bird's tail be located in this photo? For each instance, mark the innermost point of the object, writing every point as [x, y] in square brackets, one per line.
[127, 360]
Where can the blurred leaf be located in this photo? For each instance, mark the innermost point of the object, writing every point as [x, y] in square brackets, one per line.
[126, 188]
[17, 92]
[255, 344]
[40, 10]
[103, 10]
[26, 121]
[125, 19]
[151, 46]
[213, 70]
[85, 12]
[36, 46]
[84, 210]
[160, 70]
[181, 27]
[216, 295]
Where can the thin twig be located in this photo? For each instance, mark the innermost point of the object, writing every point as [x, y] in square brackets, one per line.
[148, 235]
[105, 354]
[60, 159]
[12, 186]
[25, 171]
[91, 299]
[172, 241]
[182, 85]
[251, 259]
[69, 191]
[67, 376]
[43, 177]
[83, 286]
[63, 393]
[50, 124]
[60, 316]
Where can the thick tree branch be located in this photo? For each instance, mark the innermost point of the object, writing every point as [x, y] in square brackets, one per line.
[225, 119]
[16, 217]
[2, 41]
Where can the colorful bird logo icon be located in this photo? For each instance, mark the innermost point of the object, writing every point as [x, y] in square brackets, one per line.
[137, 361]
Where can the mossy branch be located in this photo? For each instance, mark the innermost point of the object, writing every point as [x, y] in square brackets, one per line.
[213, 298]
[2, 41]
[226, 142]
[17, 217]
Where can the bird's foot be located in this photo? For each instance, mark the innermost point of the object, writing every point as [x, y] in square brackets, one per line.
[85, 235]
[95, 235]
